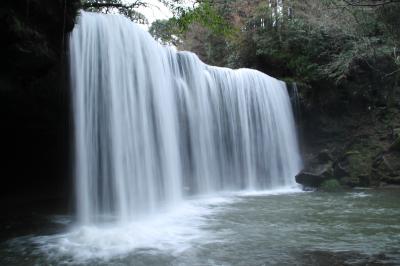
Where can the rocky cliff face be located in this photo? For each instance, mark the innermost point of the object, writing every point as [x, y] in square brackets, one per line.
[33, 96]
[355, 142]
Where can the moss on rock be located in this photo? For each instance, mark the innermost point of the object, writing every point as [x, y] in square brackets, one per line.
[331, 185]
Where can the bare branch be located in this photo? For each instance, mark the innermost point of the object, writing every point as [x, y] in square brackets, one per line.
[135, 4]
[376, 3]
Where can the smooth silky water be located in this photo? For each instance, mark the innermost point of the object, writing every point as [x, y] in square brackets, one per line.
[181, 163]
[154, 126]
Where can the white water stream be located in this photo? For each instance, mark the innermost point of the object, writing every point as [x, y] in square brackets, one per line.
[154, 126]
[159, 134]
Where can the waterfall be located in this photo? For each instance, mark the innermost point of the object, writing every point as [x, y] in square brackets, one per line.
[154, 126]
[295, 99]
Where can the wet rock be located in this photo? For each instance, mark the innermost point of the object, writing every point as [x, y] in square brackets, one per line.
[395, 145]
[354, 169]
[340, 169]
[319, 169]
[396, 132]
[386, 168]
[34, 96]
[331, 185]
[324, 156]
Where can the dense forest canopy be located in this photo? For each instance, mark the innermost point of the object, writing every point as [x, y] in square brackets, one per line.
[319, 43]
[306, 40]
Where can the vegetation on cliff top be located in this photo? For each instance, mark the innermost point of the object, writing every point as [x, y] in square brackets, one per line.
[317, 43]
[324, 43]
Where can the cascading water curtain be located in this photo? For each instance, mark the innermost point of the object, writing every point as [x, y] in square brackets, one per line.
[153, 125]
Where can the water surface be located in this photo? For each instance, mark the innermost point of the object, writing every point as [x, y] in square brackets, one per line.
[354, 228]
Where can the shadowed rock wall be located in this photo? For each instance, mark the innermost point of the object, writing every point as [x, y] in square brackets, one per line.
[34, 106]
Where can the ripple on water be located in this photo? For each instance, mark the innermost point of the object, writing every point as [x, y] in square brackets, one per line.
[233, 229]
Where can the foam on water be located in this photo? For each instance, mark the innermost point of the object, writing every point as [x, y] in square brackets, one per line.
[358, 195]
[173, 231]
[232, 230]
[274, 192]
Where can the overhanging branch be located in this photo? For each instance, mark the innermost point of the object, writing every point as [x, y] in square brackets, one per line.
[377, 3]
[135, 4]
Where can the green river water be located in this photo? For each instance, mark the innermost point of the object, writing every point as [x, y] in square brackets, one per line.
[359, 227]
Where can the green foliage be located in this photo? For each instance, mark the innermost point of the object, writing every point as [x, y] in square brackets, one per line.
[203, 14]
[331, 185]
[165, 31]
[117, 6]
[308, 48]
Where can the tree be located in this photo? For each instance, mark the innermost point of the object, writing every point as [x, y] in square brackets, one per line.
[370, 3]
[347, 48]
[117, 6]
[165, 32]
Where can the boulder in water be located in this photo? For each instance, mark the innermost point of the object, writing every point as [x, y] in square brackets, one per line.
[386, 168]
[318, 170]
